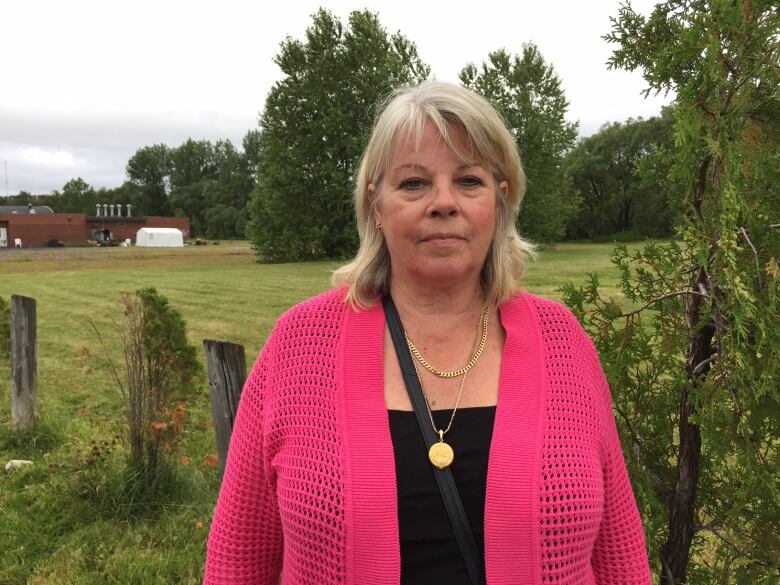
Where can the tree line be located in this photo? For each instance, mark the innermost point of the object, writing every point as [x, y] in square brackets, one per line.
[289, 189]
[210, 183]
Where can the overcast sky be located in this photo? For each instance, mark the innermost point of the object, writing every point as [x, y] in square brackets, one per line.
[84, 84]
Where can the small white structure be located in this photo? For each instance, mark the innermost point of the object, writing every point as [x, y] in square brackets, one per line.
[159, 237]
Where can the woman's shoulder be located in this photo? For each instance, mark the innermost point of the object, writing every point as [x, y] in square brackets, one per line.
[565, 344]
[322, 310]
[545, 312]
[554, 322]
[311, 323]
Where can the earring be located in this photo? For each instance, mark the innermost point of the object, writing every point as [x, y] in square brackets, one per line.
[378, 225]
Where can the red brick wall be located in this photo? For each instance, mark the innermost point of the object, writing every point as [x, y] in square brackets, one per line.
[76, 228]
[123, 228]
[36, 230]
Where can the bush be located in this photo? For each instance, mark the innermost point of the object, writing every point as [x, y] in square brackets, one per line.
[160, 370]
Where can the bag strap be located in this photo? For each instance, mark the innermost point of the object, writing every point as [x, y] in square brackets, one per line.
[449, 491]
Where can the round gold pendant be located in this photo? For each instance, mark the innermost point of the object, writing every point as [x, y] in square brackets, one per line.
[441, 455]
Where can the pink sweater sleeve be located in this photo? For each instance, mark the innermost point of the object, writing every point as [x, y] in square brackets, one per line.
[619, 554]
[245, 542]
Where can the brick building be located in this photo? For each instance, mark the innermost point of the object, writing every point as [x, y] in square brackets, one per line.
[36, 226]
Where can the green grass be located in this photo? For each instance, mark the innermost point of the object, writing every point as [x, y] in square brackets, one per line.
[71, 518]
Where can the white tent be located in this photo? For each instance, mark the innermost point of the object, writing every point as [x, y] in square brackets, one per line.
[159, 237]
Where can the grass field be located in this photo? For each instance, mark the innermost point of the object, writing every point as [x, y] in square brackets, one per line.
[58, 518]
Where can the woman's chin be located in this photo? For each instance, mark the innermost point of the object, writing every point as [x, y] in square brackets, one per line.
[443, 273]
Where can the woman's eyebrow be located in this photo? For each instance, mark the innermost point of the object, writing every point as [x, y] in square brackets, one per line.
[411, 165]
[419, 167]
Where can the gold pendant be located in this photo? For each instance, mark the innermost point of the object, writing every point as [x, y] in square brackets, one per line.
[441, 454]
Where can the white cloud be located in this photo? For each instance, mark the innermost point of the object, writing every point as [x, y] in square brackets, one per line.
[48, 159]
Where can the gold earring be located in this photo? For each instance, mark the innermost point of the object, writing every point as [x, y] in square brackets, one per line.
[378, 225]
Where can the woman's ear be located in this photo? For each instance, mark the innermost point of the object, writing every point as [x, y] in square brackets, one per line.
[503, 186]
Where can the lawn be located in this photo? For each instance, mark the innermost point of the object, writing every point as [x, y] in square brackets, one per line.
[60, 519]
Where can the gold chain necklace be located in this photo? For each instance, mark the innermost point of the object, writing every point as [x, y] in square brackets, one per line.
[483, 321]
[441, 454]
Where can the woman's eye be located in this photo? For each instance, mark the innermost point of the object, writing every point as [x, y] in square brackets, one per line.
[471, 181]
[411, 184]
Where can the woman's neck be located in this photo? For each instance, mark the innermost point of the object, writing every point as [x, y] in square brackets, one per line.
[417, 301]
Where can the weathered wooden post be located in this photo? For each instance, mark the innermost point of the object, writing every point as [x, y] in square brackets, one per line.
[226, 366]
[24, 370]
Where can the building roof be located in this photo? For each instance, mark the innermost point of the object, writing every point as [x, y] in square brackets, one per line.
[25, 210]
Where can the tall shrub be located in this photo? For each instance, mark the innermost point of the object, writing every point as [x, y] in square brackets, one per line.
[693, 363]
[160, 368]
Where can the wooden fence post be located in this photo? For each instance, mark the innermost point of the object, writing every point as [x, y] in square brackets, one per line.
[226, 366]
[24, 370]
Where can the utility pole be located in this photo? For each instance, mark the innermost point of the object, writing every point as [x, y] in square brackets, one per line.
[5, 164]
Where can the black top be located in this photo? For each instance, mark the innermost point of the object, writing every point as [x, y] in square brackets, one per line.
[429, 551]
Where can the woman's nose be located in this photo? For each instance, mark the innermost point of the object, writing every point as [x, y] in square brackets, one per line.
[443, 203]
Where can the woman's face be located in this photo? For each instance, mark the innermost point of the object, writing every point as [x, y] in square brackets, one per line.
[438, 214]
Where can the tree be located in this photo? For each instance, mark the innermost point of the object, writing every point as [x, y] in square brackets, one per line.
[209, 183]
[226, 213]
[127, 192]
[617, 198]
[76, 197]
[193, 169]
[314, 126]
[149, 169]
[690, 364]
[529, 94]
[223, 221]
[21, 198]
[251, 144]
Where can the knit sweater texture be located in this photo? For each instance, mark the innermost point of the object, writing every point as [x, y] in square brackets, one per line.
[309, 491]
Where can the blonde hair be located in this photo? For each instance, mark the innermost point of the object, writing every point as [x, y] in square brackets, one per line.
[403, 115]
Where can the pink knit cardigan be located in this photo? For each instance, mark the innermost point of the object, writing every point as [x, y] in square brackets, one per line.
[309, 490]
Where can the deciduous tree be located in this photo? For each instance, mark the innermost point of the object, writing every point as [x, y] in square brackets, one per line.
[314, 127]
[149, 169]
[529, 94]
[76, 197]
[618, 199]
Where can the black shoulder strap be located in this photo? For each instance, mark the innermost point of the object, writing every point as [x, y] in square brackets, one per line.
[449, 491]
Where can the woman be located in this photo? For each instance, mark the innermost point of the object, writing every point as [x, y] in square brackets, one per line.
[328, 478]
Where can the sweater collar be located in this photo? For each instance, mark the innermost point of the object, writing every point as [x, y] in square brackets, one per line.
[373, 550]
